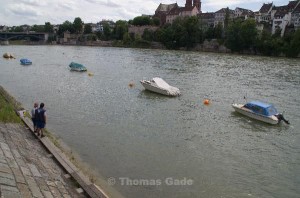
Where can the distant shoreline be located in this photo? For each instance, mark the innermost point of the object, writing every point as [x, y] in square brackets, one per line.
[208, 46]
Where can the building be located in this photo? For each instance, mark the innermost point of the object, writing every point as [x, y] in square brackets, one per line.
[220, 16]
[167, 13]
[281, 19]
[295, 16]
[162, 11]
[100, 25]
[181, 12]
[3, 28]
[285, 16]
[265, 13]
[243, 13]
[93, 26]
[207, 19]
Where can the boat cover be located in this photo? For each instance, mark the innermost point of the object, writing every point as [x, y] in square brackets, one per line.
[164, 85]
[76, 65]
[261, 108]
[25, 61]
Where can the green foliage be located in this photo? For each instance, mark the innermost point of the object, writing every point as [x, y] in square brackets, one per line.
[126, 39]
[148, 35]
[184, 32]
[87, 29]
[66, 26]
[121, 27]
[141, 20]
[7, 113]
[106, 31]
[38, 28]
[48, 27]
[241, 35]
[78, 25]
[293, 47]
[156, 21]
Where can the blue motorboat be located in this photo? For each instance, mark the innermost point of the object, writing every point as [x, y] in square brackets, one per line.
[77, 67]
[260, 111]
[25, 61]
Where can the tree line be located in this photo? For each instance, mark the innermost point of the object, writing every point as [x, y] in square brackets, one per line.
[186, 32]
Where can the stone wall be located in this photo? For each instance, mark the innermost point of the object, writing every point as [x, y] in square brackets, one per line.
[139, 30]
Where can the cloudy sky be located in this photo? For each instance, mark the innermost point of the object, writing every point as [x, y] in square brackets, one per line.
[19, 12]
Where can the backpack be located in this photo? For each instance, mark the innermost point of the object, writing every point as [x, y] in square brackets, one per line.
[39, 115]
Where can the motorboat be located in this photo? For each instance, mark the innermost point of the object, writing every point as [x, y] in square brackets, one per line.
[8, 55]
[25, 61]
[77, 67]
[260, 111]
[160, 86]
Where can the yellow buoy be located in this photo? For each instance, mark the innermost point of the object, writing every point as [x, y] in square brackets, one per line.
[206, 102]
[131, 84]
[90, 74]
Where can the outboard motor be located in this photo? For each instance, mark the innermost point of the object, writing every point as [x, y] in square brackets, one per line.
[280, 117]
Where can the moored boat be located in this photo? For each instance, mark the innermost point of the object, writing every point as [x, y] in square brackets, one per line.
[158, 85]
[8, 55]
[260, 111]
[25, 61]
[77, 67]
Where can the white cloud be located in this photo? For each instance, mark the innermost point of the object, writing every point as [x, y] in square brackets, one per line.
[18, 12]
[22, 10]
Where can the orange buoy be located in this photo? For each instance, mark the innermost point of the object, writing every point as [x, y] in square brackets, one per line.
[206, 102]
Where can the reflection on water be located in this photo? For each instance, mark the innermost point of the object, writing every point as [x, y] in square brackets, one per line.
[129, 132]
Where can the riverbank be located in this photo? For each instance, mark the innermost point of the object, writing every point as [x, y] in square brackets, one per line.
[27, 165]
[213, 46]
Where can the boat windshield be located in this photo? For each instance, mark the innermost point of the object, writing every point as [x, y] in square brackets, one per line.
[260, 109]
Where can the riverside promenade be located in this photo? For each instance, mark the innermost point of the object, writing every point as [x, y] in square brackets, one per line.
[27, 169]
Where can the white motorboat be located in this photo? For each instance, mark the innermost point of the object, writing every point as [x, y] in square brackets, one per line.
[158, 85]
[260, 111]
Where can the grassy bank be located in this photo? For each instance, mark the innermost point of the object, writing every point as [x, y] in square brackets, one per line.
[7, 112]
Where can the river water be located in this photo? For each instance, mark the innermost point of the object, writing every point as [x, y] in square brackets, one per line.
[130, 136]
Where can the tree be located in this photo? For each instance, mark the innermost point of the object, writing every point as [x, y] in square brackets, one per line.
[141, 20]
[78, 24]
[148, 35]
[87, 29]
[106, 31]
[234, 39]
[241, 35]
[156, 21]
[48, 27]
[293, 48]
[121, 27]
[17, 29]
[66, 26]
[126, 39]
[38, 28]
[248, 33]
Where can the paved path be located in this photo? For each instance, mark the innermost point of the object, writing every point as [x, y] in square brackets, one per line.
[27, 169]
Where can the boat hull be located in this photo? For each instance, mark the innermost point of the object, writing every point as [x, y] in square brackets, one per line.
[159, 90]
[78, 69]
[267, 119]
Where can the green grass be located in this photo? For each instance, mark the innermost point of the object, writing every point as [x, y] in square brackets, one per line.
[7, 113]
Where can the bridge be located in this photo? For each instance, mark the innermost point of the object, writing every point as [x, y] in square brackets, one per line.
[6, 36]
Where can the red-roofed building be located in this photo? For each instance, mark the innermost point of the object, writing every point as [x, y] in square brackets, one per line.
[220, 16]
[162, 11]
[295, 16]
[264, 14]
[243, 13]
[181, 12]
[167, 13]
[207, 19]
[286, 15]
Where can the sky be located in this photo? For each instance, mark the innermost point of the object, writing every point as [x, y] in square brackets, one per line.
[30, 12]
